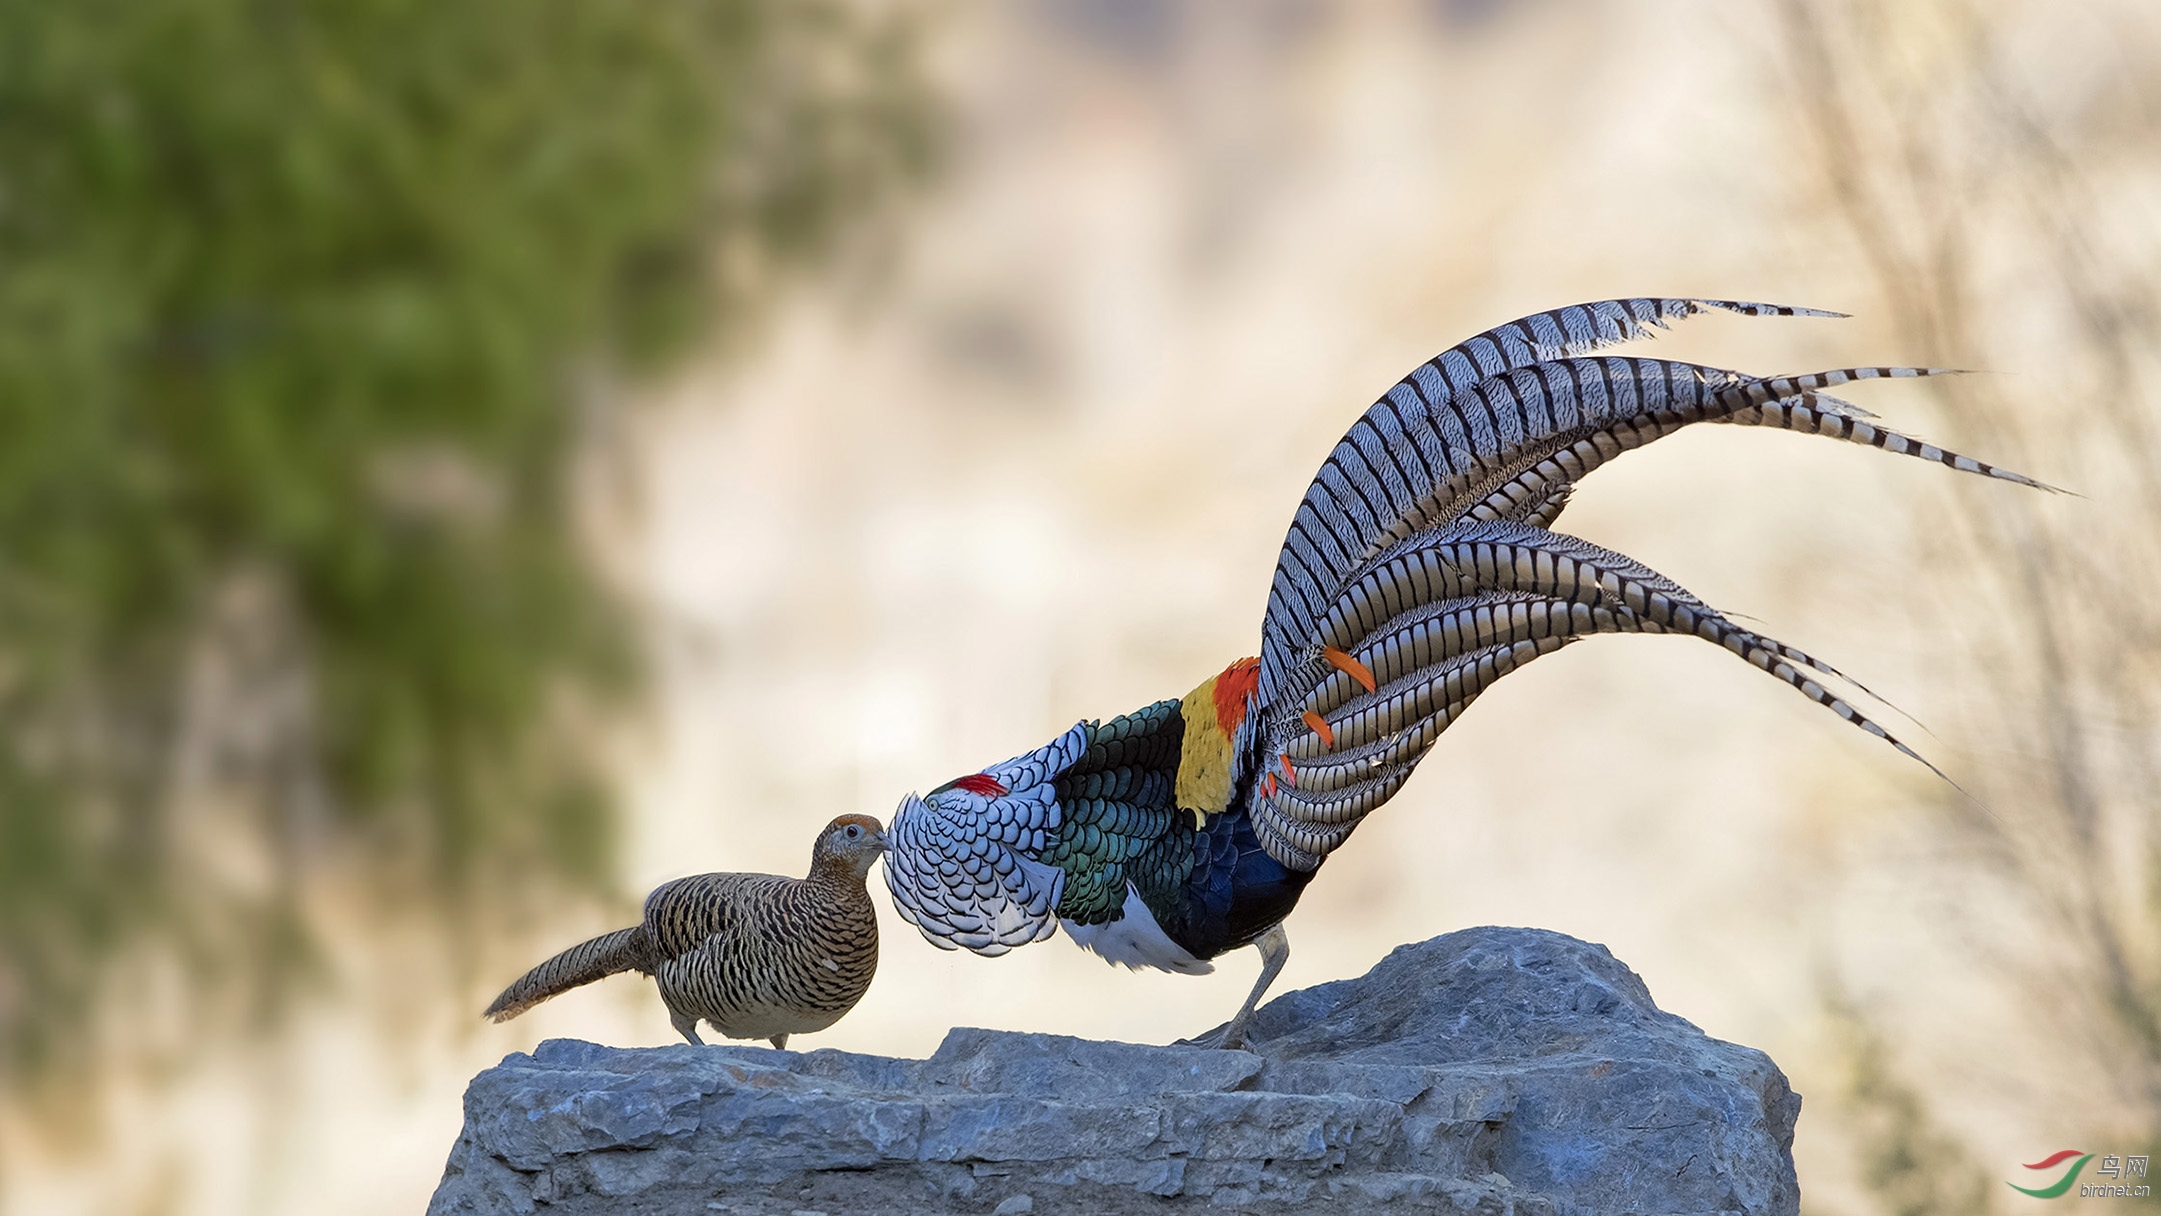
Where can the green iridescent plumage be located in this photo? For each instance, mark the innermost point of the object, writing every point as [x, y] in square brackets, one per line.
[1121, 823]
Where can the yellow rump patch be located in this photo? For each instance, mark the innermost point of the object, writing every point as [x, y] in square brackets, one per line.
[1213, 712]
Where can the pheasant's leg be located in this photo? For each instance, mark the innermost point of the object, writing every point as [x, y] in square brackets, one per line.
[687, 1026]
[1275, 948]
[780, 1042]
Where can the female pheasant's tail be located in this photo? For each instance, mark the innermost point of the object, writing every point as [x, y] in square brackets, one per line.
[623, 950]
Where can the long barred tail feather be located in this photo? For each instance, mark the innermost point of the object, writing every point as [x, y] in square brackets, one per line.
[1412, 440]
[1435, 621]
[603, 956]
[1515, 488]
[1511, 443]
[1796, 404]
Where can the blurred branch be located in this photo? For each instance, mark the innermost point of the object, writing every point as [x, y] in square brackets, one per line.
[1977, 212]
[1912, 1165]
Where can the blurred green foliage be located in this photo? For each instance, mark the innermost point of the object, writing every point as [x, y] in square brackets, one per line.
[301, 309]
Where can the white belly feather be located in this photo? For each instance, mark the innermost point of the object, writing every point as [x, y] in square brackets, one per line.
[1136, 941]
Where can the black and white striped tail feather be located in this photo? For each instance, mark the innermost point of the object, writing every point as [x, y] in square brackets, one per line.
[1414, 656]
[1331, 797]
[1418, 451]
[1381, 729]
[1527, 487]
[1336, 789]
[1541, 591]
[1334, 792]
[1580, 329]
[1534, 486]
[1513, 575]
[1813, 412]
[1798, 403]
[1474, 586]
[1458, 576]
[1510, 445]
[1568, 332]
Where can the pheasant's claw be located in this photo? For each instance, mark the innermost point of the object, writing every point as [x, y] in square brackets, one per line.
[1218, 1039]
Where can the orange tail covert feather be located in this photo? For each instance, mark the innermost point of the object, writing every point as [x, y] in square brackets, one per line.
[1349, 666]
[1319, 726]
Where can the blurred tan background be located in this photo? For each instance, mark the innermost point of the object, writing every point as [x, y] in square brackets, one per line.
[1016, 443]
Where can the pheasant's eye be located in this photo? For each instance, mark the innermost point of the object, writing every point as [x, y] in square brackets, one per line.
[854, 831]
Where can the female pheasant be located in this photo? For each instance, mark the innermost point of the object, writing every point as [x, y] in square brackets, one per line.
[1419, 568]
[757, 955]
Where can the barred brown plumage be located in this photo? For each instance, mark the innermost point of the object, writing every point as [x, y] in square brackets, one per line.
[758, 956]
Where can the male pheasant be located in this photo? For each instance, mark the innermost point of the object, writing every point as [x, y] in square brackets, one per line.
[1419, 568]
[757, 955]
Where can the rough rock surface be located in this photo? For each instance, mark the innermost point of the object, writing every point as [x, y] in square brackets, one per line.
[1491, 1071]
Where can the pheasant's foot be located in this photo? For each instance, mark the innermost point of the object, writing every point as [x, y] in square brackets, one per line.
[1219, 1039]
[1275, 950]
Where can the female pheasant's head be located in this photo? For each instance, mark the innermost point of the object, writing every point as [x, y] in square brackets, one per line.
[851, 845]
[1214, 714]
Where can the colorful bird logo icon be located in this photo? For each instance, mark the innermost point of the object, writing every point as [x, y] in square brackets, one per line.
[2062, 1184]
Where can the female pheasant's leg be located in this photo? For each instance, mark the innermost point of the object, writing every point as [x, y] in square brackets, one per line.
[1273, 953]
[687, 1026]
[780, 1042]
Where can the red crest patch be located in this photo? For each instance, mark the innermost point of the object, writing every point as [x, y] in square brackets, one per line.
[980, 783]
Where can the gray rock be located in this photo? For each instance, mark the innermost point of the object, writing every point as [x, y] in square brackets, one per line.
[1491, 1071]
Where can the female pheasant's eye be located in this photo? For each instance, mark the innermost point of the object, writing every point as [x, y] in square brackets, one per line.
[854, 831]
